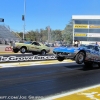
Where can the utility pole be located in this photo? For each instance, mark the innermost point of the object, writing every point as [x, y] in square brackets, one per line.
[48, 34]
[73, 31]
[24, 18]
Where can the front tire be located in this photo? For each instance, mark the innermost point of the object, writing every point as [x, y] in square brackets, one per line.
[80, 57]
[60, 58]
[43, 52]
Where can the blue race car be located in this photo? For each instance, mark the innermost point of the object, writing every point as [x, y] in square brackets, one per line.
[87, 54]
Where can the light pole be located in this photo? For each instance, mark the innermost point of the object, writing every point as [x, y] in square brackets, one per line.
[73, 32]
[48, 34]
[24, 18]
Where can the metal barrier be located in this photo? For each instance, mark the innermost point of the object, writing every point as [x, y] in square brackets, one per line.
[25, 58]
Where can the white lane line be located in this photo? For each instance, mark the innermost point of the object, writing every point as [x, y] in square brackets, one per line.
[69, 93]
[18, 65]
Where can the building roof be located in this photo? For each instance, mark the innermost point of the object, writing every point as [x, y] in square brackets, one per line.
[85, 16]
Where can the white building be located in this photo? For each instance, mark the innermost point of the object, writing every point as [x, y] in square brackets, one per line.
[86, 28]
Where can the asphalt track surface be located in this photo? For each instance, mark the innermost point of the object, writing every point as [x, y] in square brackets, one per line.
[46, 80]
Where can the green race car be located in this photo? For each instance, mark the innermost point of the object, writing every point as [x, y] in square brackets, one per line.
[34, 47]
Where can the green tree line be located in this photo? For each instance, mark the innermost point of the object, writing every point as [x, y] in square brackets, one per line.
[54, 35]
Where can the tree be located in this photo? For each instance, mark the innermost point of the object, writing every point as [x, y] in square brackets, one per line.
[67, 33]
[20, 34]
[56, 35]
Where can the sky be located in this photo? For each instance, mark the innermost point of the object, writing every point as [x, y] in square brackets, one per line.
[43, 13]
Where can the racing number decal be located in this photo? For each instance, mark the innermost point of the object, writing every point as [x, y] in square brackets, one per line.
[37, 48]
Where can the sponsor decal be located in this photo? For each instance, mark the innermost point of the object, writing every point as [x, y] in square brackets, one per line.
[95, 58]
[80, 34]
[25, 58]
[94, 26]
[93, 35]
[81, 26]
[8, 49]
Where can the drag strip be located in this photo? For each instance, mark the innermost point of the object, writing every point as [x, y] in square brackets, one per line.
[45, 80]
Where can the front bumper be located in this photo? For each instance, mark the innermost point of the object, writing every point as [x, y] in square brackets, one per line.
[64, 54]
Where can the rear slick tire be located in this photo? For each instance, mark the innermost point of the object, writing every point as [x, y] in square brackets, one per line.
[15, 50]
[43, 52]
[88, 65]
[23, 50]
[80, 57]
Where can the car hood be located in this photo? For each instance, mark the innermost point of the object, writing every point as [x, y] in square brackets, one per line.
[67, 49]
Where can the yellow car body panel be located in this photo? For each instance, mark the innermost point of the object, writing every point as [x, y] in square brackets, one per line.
[31, 47]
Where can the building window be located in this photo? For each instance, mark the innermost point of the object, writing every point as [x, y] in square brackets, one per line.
[94, 30]
[94, 22]
[81, 30]
[81, 21]
[93, 38]
[80, 38]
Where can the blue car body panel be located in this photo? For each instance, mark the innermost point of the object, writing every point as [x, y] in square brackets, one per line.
[91, 53]
[68, 49]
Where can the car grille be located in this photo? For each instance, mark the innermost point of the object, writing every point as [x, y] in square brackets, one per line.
[61, 53]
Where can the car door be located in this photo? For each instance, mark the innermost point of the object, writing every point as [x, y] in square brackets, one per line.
[99, 53]
[32, 47]
[90, 52]
[37, 46]
[96, 53]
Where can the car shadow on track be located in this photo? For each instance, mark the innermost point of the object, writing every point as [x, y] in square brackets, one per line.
[90, 68]
[75, 67]
[82, 67]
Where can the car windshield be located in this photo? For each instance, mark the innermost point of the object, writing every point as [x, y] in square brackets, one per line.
[90, 47]
[28, 42]
[87, 46]
[82, 45]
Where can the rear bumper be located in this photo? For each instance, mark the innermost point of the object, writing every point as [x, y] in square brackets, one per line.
[15, 48]
[47, 51]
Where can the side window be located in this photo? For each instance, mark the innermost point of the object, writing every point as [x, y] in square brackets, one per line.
[36, 43]
[90, 47]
